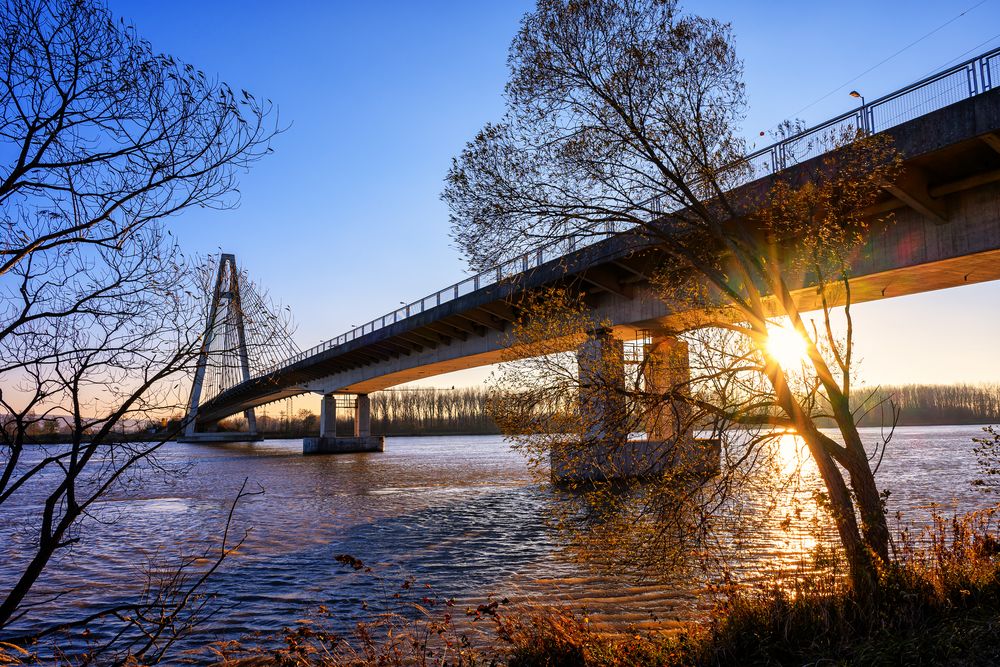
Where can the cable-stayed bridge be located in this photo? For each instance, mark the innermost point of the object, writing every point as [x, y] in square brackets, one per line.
[946, 233]
[243, 338]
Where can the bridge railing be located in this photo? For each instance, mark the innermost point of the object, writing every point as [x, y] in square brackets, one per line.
[954, 84]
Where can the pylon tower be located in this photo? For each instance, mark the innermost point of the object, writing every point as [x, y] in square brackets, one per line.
[224, 360]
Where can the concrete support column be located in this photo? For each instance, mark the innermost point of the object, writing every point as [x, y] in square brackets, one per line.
[666, 369]
[251, 418]
[601, 362]
[329, 443]
[328, 416]
[668, 423]
[362, 416]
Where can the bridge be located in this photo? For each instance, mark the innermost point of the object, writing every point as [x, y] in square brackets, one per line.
[946, 233]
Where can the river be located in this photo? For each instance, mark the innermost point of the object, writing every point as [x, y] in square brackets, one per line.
[461, 513]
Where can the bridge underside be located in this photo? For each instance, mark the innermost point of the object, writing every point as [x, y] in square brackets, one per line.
[955, 272]
[887, 284]
[945, 233]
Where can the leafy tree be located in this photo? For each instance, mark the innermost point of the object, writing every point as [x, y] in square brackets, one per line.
[624, 114]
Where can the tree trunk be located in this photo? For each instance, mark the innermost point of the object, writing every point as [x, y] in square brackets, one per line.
[28, 577]
[863, 573]
[873, 523]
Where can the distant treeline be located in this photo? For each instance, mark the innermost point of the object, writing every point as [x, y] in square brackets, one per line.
[416, 411]
[926, 404]
[443, 411]
[431, 412]
[464, 411]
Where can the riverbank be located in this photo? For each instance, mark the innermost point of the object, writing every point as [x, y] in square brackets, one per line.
[466, 411]
[59, 439]
[938, 606]
[780, 630]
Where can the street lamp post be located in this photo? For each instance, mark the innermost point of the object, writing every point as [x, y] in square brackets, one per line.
[863, 111]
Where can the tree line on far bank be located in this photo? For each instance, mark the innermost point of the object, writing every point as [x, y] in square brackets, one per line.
[926, 404]
[466, 411]
[432, 412]
[418, 411]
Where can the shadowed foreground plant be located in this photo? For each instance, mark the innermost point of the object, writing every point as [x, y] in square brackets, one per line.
[11, 654]
[940, 604]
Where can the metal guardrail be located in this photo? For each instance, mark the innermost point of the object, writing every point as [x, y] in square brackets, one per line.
[957, 83]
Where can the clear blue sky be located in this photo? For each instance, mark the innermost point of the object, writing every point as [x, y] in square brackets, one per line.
[344, 220]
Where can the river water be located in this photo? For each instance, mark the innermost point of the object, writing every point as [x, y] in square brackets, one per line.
[461, 513]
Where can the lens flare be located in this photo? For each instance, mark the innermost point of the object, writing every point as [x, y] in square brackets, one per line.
[786, 347]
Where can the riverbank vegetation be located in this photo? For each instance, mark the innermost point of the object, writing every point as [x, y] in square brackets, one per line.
[466, 411]
[394, 412]
[929, 404]
[432, 412]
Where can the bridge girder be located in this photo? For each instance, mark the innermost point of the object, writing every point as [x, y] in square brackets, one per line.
[447, 330]
[484, 320]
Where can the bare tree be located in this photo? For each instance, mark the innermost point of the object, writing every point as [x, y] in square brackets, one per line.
[101, 316]
[94, 370]
[102, 371]
[102, 135]
[624, 114]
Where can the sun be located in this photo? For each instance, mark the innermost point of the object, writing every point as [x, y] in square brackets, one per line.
[786, 347]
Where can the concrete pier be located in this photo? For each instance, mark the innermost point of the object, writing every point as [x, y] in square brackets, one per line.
[328, 416]
[606, 452]
[329, 443]
[601, 363]
[667, 369]
[321, 445]
[362, 416]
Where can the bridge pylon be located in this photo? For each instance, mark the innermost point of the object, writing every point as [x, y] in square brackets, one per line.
[224, 359]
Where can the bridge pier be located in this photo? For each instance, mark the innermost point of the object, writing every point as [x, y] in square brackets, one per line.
[362, 416]
[328, 416]
[329, 443]
[667, 369]
[601, 368]
[605, 451]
